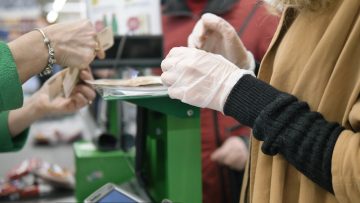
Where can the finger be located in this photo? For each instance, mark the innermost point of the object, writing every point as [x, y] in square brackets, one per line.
[196, 41]
[214, 23]
[61, 105]
[68, 106]
[196, 38]
[86, 75]
[168, 63]
[176, 55]
[176, 52]
[211, 21]
[191, 41]
[176, 92]
[85, 91]
[168, 78]
[80, 100]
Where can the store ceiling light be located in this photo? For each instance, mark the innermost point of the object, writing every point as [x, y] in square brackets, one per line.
[52, 16]
[58, 5]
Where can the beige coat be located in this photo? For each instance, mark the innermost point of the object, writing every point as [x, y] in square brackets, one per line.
[316, 57]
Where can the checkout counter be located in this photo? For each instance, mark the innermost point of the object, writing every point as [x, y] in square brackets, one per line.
[166, 163]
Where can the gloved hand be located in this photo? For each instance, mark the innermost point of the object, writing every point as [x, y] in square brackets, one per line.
[232, 153]
[81, 96]
[199, 78]
[39, 104]
[213, 34]
[75, 43]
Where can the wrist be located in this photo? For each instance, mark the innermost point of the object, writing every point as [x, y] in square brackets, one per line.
[229, 84]
[22, 118]
[30, 54]
[51, 54]
[52, 34]
[42, 50]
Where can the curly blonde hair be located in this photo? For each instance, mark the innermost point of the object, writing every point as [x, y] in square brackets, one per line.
[311, 5]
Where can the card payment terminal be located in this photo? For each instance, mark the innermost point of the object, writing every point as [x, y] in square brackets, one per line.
[110, 193]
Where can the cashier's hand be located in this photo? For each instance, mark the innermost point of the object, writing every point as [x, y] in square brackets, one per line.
[233, 153]
[199, 78]
[81, 96]
[213, 34]
[75, 43]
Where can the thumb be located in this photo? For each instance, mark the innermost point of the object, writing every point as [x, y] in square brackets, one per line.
[196, 38]
[193, 42]
[214, 23]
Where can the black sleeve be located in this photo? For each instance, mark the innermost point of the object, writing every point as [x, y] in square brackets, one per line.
[287, 126]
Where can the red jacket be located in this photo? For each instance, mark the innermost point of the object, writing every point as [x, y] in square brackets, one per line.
[256, 37]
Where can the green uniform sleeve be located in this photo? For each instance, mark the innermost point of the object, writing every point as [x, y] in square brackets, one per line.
[11, 95]
[7, 142]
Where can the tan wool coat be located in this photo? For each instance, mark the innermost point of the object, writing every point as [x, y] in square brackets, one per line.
[316, 57]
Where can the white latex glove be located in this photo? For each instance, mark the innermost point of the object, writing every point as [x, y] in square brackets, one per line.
[199, 78]
[233, 153]
[213, 34]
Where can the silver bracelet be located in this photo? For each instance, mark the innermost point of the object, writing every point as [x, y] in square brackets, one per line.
[51, 59]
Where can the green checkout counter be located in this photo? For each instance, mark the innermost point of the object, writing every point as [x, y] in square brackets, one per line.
[169, 163]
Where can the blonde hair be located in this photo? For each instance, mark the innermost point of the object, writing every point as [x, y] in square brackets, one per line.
[311, 5]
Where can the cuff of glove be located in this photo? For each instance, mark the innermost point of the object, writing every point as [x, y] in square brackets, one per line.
[231, 82]
[251, 62]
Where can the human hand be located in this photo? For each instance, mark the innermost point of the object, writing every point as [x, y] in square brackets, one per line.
[81, 96]
[75, 43]
[213, 34]
[199, 78]
[233, 153]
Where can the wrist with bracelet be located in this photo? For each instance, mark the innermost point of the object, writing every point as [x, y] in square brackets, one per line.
[51, 58]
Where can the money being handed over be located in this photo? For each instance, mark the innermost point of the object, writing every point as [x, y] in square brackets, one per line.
[106, 40]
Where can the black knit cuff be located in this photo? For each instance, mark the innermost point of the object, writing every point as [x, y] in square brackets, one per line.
[244, 102]
[286, 126]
